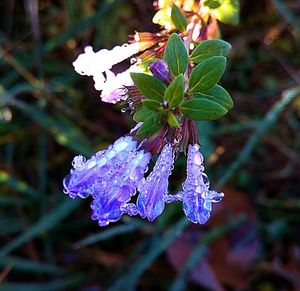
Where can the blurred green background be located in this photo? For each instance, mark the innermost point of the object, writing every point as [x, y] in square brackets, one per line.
[48, 114]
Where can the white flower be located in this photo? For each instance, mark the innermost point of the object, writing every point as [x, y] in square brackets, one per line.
[98, 65]
[113, 86]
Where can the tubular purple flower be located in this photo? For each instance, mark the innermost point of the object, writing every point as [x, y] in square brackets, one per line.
[118, 188]
[111, 177]
[82, 180]
[153, 189]
[196, 196]
[159, 69]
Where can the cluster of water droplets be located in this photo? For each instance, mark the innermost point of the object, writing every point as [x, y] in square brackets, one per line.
[196, 195]
[153, 189]
[111, 177]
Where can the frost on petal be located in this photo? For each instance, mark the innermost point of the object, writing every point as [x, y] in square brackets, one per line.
[82, 179]
[91, 64]
[80, 182]
[113, 86]
[86, 64]
[99, 64]
[109, 205]
[196, 196]
[150, 202]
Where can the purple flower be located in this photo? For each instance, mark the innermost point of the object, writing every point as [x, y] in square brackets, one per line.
[81, 181]
[118, 188]
[111, 177]
[151, 200]
[159, 69]
[196, 196]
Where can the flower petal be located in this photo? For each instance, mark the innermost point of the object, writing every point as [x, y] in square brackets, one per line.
[119, 187]
[196, 196]
[150, 202]
[82, 179]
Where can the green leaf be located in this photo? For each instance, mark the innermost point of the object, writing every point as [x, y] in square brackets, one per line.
[149, 86]
[152, 104]
[207, 74]
[151, 125]
[218, 94]
[210, 48]
[175, 92]
[141, 114]
[228, 12]
[202, 109]
[176, 55]
[212, 4]
[178, 19]
[172, 120]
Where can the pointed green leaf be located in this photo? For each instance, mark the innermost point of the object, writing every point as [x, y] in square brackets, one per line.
[178, 19]
[151, 125]
[202, 109]
[141, 114]
[149, 86]
[219, 95]
[176, 55]
[228, 12]
[175, 92]
[152, 104]
[207, 74]
[210, 48]
[172, 120]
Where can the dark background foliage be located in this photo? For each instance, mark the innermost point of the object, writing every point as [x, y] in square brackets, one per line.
[48, 114]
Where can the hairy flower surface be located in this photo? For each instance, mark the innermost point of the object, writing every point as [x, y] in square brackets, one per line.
[196, 196]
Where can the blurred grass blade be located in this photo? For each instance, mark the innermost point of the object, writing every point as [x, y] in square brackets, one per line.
[82, 26]
[200, 250]
[288, 16]
[108, 234]
[46, 223]
[65, 133]
[28, 266]
[270, 118]
[67, 283]
[73, 31]
[15, 184]
[128, 281]
[9, 225]
[12, 201]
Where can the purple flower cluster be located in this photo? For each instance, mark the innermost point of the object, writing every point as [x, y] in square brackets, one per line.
[113, 176]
